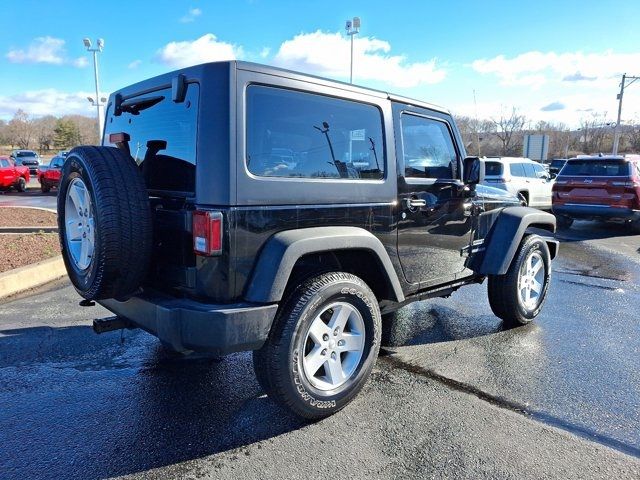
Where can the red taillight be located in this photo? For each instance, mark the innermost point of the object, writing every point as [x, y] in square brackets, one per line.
[207, 232]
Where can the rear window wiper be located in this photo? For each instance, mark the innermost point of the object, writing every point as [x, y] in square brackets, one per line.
[134, 107]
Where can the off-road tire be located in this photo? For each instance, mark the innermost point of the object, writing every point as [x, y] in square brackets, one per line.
[21, 186]
[278, 364]
[123, 229]
[503, 289]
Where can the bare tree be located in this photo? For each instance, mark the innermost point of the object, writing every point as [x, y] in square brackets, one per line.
[509, 130]
[632, 137]
[20, 131]
[44, 131]
[596, 134]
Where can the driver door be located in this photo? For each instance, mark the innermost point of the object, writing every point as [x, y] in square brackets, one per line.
[434, 222]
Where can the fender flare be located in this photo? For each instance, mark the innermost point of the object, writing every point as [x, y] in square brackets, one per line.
[505, 236]
[282, 251]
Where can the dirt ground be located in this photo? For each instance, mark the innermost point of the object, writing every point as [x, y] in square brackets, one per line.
[23, 249]
[26, 217]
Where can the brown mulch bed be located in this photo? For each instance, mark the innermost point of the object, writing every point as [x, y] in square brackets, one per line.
[26, 217]
[23, 249]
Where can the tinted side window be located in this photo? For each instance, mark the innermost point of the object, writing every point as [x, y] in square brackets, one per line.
[493, 168]
[163, 137]
[428, 148]
[4, 163]
[304, 135]
[529, 170]
[539, 170]
[517, 170]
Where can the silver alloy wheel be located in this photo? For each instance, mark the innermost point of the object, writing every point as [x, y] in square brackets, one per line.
[79, 224]
[333, 346]
[531, 281]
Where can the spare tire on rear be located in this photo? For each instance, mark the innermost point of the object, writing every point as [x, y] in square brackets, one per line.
[104, 222]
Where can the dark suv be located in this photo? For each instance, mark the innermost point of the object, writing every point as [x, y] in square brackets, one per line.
[27, 158]
[236, 207]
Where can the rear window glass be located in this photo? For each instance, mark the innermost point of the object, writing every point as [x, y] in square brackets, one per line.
[596, 168]
[493, 168]
[517, 170]
[304, 135]
[163, 137]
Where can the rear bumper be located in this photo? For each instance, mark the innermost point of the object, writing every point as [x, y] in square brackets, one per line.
[595, 211]
[189, 325]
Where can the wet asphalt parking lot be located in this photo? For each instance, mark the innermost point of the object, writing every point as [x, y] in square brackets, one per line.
[33, 197]
[462, 398]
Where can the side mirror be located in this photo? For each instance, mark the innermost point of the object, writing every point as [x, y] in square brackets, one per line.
[473, 171]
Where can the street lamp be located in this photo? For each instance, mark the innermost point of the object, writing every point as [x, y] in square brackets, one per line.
[352, 27]
[616, 134]
[99, 102]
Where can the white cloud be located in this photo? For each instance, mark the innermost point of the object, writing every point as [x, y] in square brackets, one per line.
[40, 50]
[328, 54]
[134, 64]
[204, 49]
[48, 50]
[47, 102]
[191, 15]
[80, 62]
[538, 68]
[264, 53]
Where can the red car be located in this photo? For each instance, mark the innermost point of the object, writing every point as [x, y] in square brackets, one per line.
[12, 176]
[50, 176]
[598, 188]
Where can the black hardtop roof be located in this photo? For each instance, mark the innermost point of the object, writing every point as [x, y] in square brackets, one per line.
[199, 71]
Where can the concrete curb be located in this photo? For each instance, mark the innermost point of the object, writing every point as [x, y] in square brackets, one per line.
[53, 210]
[30, 276]
[28, 230]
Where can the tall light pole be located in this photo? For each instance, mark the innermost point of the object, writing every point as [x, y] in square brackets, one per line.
[98, 48]
[626, 81]
[352, 27]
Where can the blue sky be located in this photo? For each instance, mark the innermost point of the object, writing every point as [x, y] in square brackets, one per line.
[554, 61]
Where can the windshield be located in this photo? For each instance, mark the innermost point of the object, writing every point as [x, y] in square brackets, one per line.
[57, 162]
[596, 168]
[26, 154]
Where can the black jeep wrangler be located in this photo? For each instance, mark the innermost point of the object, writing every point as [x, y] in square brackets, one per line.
[234, 206]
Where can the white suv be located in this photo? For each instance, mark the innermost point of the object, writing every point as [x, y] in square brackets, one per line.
[520, 176]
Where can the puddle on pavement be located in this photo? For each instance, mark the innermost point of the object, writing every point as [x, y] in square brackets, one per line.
[585, 261]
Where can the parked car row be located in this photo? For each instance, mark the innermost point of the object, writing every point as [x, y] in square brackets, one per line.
[16, 170]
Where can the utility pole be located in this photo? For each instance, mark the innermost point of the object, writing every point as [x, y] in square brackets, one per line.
[97, 103]
[352, 27]
[475, 106]
[616, 131]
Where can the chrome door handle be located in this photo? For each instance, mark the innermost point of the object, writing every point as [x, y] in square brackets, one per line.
[412, 203]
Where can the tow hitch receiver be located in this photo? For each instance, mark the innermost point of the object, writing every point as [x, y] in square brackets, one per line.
[102, 325]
